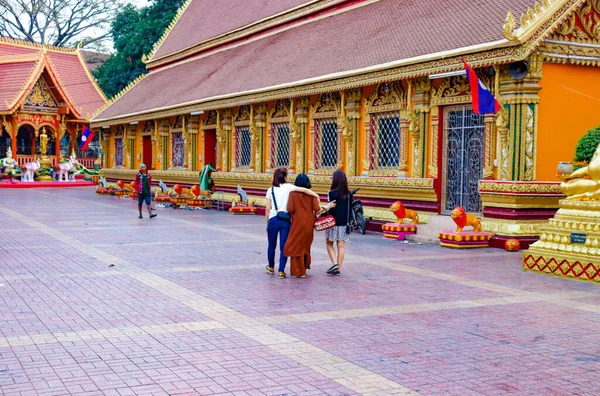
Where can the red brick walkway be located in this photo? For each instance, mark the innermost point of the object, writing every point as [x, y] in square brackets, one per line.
[95, 301]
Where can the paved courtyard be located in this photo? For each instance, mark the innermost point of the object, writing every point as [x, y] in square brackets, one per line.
[95, 301]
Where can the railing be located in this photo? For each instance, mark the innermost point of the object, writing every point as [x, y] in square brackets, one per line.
[87, 162]
[25, 159]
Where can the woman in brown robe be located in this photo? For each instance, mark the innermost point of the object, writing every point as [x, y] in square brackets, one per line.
[303, 209]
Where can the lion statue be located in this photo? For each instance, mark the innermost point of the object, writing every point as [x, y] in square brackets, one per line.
[193, 192]
[402, 213]
[127, 186]
[462, 220]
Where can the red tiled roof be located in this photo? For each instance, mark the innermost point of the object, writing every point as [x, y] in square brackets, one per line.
[69, 69]
[374, 34]
[13, 77]
[206, 19]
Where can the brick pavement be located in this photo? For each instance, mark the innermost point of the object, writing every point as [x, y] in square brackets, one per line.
[96, 301]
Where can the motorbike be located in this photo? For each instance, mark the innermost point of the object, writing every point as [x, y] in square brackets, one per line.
[357, 217]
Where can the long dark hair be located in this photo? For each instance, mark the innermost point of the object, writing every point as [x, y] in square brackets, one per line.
[339, 184]
[279, 176]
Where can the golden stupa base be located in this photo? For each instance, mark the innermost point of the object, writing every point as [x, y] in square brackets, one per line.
[45, 162]
[569, 246]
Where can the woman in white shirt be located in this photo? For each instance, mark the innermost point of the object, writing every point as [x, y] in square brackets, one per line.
[278, 218]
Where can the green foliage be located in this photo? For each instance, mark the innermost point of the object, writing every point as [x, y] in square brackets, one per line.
[134, 32]
[587, 145]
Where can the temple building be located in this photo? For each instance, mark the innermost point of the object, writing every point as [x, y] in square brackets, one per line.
[45, 88]
[373, 87]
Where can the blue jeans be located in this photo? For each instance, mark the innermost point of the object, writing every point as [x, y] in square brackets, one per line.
[276, 226]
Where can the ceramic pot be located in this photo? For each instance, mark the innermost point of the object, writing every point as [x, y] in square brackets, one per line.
[565, 168]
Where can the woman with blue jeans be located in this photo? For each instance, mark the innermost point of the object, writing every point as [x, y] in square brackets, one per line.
[278, 218]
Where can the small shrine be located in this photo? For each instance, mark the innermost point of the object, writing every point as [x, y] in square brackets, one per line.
[47, 100]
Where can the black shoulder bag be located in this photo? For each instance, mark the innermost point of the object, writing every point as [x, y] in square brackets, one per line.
[285, 216]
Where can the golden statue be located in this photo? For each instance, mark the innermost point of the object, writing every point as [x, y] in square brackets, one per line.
[43, 142]
[584, 183]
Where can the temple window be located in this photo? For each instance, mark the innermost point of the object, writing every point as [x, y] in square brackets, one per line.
[386, 132]
[280, 144]
[385, 140]
[178, 149]
[177, 143]
[243, 147]
[326, 144]
[279, 134]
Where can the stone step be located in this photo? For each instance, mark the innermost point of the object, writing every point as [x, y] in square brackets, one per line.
[424, 239]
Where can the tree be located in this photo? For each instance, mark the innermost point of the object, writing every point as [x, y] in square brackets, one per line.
[57, 22]
[587, 145]
[134, 32]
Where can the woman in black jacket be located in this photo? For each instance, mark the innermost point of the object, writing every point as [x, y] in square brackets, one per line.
[338, 235]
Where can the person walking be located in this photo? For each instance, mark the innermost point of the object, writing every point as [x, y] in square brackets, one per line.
[303, 209]
[278, 218]
[143, 183]
[338, 235]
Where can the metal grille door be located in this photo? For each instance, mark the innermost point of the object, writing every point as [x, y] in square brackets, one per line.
[326, 144]
[465, 145]
[385, 141]
[243, 147]
[280, 144]
[178, 150]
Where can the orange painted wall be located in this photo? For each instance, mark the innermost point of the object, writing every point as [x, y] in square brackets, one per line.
[569, 107]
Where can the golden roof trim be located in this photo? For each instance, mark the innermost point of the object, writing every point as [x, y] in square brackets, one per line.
[532, 20]
[61, 87]
[33, 57]
[118, 95]
[244, 31]
[32, 45]
[161, 40]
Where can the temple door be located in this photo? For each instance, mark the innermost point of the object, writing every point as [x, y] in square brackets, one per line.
[210, 147]
[464, 136]
[147, 151]
[24, 139]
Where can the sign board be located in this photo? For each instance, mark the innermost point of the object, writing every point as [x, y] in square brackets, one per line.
[578, 237]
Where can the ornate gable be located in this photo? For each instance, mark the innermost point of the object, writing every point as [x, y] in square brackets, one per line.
[577, 39]
[40, 99]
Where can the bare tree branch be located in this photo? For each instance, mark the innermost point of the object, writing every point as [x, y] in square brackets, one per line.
[57, 22]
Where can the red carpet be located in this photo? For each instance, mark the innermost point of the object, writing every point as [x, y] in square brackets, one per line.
[6, 184]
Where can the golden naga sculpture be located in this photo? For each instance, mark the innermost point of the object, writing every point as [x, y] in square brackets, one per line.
[584, 183]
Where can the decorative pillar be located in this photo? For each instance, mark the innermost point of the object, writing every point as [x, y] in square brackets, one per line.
[130, 138]
[192, 129]
[489, 145]
[418, 124]
[258, 122]
[164, 144]
[350, 133]
[433, 154]
[302, 110]
[520, 101]
[223, 139]
[294, 139]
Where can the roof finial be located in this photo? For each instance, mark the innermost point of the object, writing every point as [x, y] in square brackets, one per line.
[510, 24]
